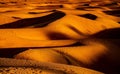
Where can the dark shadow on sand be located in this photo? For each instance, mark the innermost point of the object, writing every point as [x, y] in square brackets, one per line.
[108, 34]
[35, 22]
[113, 12]
[10, 52]
[89, 16]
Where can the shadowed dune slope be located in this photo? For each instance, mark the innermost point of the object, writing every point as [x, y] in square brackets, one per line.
[36, 22]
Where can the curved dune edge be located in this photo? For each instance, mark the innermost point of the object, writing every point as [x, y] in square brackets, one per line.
[65, 55]
[34, 43]
[6, 62]
[37, 21]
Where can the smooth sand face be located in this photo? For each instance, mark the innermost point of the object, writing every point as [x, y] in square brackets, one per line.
[6, 19]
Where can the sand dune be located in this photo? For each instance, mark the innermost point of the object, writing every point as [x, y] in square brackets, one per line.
[38, 21]
[83, 34]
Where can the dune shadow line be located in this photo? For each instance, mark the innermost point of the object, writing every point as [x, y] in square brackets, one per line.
[35, 22]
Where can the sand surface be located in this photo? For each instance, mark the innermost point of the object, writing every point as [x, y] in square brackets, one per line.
[83, 34]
